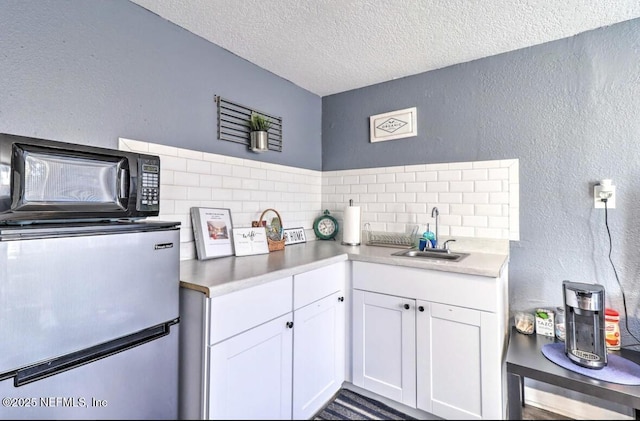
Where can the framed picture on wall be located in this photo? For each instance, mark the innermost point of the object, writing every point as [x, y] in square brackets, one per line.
[393, 125]
[212, 231]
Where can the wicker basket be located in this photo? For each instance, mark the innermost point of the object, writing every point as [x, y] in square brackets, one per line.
[273, 244]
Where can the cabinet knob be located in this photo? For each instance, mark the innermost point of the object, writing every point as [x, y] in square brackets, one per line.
[406, 306]
[341, 299]
[420, 308]
[289, 325]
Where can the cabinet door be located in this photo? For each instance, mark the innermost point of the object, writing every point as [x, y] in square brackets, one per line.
[450, 361]
[318, 354]
[384, 347]
[250, 374]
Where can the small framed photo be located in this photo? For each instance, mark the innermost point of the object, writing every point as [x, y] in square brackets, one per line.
[393, 125]
[212, 230]
[248, 241]
[294, 236]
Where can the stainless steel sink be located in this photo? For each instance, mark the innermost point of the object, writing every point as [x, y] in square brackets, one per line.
[431, 254]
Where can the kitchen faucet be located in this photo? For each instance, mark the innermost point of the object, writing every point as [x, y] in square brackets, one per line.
[434, 214]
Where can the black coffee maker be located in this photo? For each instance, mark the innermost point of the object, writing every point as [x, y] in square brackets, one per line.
[584, 324]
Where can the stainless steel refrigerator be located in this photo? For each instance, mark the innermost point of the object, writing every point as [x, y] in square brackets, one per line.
[89, 320]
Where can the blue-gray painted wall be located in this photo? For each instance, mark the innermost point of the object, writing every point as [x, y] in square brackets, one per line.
[91, 71]
[569, 110]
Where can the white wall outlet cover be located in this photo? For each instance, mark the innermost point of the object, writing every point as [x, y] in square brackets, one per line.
[598, 203]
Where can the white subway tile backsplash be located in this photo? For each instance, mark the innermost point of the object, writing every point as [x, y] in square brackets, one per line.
[486, 164]
[427, 176]
[394, 187]
[386, 197]
[170, 162]
[460, 165]
[461, 186]
[418, 208]
[406, 197]
[475, 221]
[448, 198]
[448, 175]
[214, 181]
[499, 174]
[386, 178]
[476, 174]
[201, 167]
[416, 187]
[182, 178]
[395, 207]
[415, 168]
[376, 188]
[438, 186]
[368, 178]
[462, 209]
[475, 199]
[488, 210]
[488, 186]
[499, 197]
[405, 177]
[198, 193]
[427, 198]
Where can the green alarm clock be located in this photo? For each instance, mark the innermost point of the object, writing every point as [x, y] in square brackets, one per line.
[325, 226]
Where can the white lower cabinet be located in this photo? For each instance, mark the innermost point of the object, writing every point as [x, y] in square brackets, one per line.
[439, 357]
[250, 374]
[384, 345]
[318, 354]
[273, 351]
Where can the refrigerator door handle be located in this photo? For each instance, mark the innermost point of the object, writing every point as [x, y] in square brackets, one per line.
[66, 362]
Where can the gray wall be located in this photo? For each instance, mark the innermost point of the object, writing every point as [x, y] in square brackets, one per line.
[91, 71]
[569, 110]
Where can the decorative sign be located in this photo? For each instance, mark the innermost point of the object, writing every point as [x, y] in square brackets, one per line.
[393, 125]
[248, 241]
[212, 232]
[294, 236]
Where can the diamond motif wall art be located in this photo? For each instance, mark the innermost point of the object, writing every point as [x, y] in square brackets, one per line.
[393, 125]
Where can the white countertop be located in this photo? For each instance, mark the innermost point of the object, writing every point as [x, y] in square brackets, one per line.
[223, 275]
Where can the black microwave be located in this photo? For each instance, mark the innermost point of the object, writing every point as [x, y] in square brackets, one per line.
[50, 181]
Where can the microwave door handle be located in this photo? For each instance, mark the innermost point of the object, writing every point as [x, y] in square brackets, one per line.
[124, 184]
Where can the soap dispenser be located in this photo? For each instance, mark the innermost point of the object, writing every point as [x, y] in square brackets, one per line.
[428, 239]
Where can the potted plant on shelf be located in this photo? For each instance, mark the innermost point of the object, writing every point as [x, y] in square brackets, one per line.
[259, 126]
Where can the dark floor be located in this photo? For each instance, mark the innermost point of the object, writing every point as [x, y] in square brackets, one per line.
[533, 413]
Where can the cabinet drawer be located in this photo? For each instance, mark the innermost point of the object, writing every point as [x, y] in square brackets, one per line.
[316, 284]
[241, 310]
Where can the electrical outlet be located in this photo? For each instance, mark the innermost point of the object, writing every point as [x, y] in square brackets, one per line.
[598, 203]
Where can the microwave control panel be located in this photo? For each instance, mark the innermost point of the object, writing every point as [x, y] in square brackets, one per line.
[149, 184]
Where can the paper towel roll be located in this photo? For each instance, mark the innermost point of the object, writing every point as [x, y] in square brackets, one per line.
[352, 230]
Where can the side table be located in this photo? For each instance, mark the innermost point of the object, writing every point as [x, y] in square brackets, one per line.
[525, 360]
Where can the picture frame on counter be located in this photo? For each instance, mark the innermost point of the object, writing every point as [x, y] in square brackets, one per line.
[212, 232]
[250, 241]
[294, 236]
[393, 125]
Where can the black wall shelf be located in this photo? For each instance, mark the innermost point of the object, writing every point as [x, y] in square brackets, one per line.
[232, 124]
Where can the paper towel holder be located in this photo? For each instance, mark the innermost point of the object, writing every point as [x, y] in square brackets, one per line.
[348, 227]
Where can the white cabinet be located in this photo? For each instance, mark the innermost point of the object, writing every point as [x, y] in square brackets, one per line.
[318, 338]
[318, 354]
[271, 351]
[431, 340]
[250, 374]
[384, 345]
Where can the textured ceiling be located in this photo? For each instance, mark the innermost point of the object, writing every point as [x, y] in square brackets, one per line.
[331, 46]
